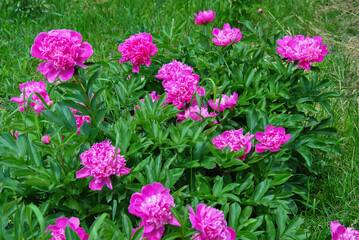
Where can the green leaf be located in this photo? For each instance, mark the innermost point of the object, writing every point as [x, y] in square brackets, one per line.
[261, 189]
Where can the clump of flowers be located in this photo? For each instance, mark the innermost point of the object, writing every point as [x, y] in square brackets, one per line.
[235, 140]
[272, 139]
[153, 96]
[63, 50]
[305, 50]
[210, 222]
[226, 102]
[339, 232]
[58, 230]
[137, 49]
[179, 83]
[80, 119]
[153, 205]
[193, 111]
[101, 161]
[226, 36]
[36, 103]
[204, 17]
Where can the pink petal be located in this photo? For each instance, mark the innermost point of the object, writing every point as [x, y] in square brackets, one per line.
[84, 172]
[97, 183]
[260, 148]
[87, 50]
[67, 74]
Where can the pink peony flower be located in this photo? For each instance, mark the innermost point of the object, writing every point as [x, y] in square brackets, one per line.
[62, 50]
[236, 141]
[210, 222]
[272, 139]
[137, 49]
[204, 17]
[226, 36]
[101, 162]
[80, 119]
[58, 230]
[153, 205]
[179, 83]
[154, 97]
[46, 139]
[226, 102]
[36, 103]
[301, 49]
[339, 232]
[191, 112]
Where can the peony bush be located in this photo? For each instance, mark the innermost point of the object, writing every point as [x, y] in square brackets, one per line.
[179, 134]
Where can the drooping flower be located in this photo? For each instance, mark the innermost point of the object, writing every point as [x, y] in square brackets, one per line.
[46, 139]
[153, 96]
[36, 103]
[304, 50]
[101, 161]
[236, 141]
[204, 17]
[63, 50]
[191, 112]
[137, 49]
[226, 36]
[80, 119]
[58, 230]
[226, 102]
[210, 222]
[272, 139]
[339, 232]
[153, 205]
[179, 83]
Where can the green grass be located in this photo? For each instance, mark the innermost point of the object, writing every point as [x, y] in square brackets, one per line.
[335, 194]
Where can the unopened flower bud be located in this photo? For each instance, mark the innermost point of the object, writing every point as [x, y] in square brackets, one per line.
[46, 139]
[260, 10]
[50, 103]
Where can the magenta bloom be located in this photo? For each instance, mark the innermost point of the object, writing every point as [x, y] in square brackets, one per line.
[191, 112]
[58, 230]
[226, 36]
[226, 102]
[236, 141]
[301, 49]
[153, 205]
[80, 119]
[36, 103]
[46, 139]
[100, 162]
[339, 232]
[210, 222]
[179, 83]
[204, 17]
[272, 139]
[137, 49]
[62, 50]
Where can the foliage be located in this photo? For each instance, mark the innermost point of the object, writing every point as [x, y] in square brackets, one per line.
[257, 195]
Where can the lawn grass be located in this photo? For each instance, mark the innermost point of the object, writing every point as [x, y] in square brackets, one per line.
[334, 195]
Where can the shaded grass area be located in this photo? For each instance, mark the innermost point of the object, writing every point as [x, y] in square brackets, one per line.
[334, 195]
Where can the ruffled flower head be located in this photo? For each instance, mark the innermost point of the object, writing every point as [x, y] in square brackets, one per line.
[101, 162]
[153, 205]
[191, 112]
[226, 36]
[210, 222]
[226, 102]
[36, 103]
[204, 17]
[80, 119]
[236, 141]
[58, 230]
[137, 49]
[301, 49]
[179, 83]
[62, 50]
[339, 232]
[272, 139]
